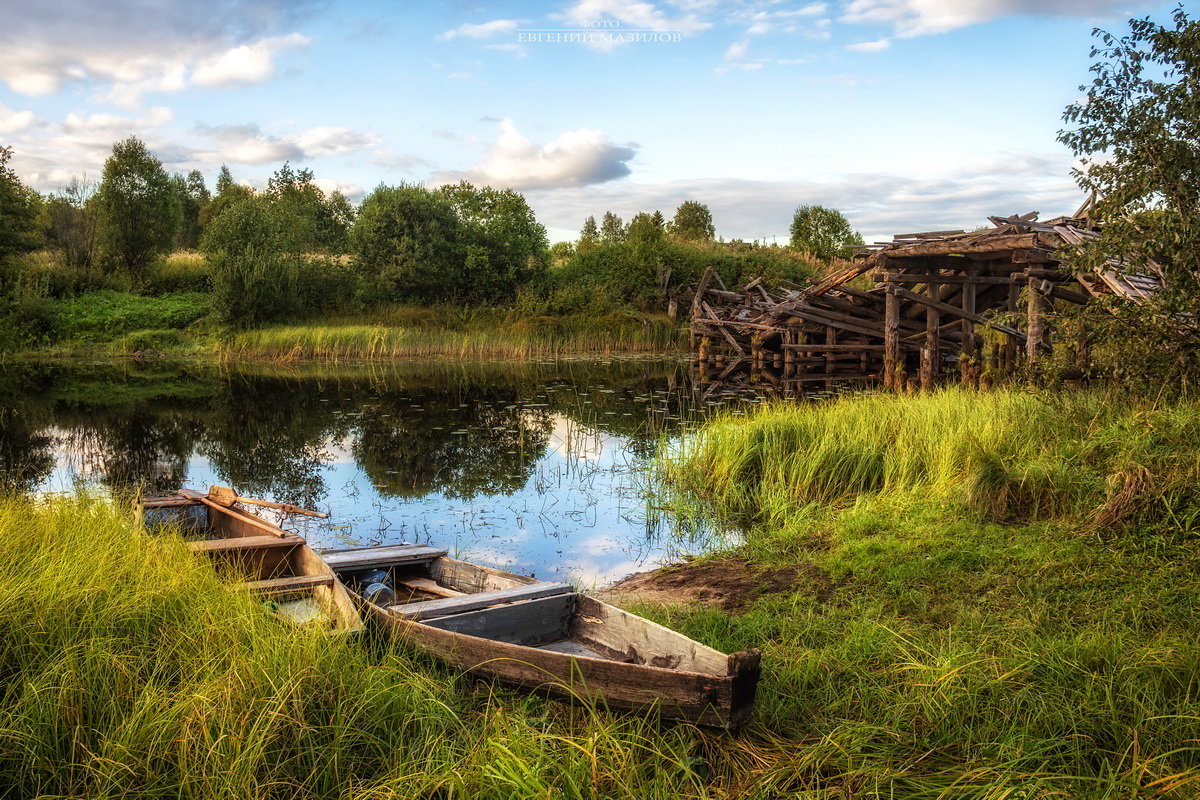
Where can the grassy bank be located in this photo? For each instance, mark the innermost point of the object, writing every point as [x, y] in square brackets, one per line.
[999, 594]
[142, 676]
[109, 323]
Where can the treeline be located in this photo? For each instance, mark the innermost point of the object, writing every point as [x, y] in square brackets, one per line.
[294, 250]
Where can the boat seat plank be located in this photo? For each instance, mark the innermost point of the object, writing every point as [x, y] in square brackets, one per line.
[429, 586]
[389, 555]
[240, 543]
[428, 609]
[289, 585]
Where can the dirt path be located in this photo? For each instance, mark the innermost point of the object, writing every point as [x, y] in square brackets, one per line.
[728, 583]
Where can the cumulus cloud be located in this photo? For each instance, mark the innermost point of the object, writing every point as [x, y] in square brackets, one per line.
[248, 144]
[576, 158]
[484, 30]
[125, 48]
[920, 17]
[877, 46]
[16, 121]
[879, 204]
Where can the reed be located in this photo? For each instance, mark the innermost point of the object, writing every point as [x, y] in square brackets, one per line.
[481, 334]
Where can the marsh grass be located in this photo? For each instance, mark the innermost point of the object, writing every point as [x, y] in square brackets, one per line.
[130, 671]
[961, 626]
[415, 332]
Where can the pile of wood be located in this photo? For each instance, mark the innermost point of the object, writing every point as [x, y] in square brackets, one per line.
[933, 296]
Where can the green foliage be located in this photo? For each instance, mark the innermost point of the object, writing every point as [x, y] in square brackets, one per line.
[310, 221]
[137, 208]
[101, 315]
[823, 232]
[612, 229]
[228, 193]
[18, 214]
[589, 235]
[505, 245]
[69, 222]
[407, 239]
[693, 222]
[193, 196]
[1136, 131]
[254, 280]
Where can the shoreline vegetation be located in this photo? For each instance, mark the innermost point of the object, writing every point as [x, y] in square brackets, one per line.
[973, 595]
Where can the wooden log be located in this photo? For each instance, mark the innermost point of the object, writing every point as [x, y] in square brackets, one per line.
[969, 245]
[968, 357]
[1037, 325]
[891, 341]
[830, 339]
[930, 354]
[958, 312]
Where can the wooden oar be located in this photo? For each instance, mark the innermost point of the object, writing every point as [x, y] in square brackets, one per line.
[227, 497]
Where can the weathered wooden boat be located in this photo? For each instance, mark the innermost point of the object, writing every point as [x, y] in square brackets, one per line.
[260, 556]
[544, 635]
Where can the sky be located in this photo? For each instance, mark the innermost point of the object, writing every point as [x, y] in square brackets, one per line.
[906, 115]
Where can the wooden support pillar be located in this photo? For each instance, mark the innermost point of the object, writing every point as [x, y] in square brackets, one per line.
[1037, 323]
[929, 352]
[1010, 342]
[789, 355]
[891, 340]
[830, 338]
[968, 360]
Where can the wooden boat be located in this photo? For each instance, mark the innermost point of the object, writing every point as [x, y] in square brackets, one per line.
[270, 562]
[544, 635]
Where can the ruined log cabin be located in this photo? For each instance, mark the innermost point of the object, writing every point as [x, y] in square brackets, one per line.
[934, 296]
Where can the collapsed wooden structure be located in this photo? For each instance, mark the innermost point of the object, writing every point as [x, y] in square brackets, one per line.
[936, 295]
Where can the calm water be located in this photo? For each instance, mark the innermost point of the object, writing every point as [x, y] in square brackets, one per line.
[536, 468]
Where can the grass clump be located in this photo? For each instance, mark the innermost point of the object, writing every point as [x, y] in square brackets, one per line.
[130, 671]
[992, 606]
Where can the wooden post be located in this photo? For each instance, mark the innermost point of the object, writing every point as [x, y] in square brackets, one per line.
[891, 340]
[967, 362]
[929, 353]
[830, 338]
[1036, 330]
[1010, 342]
[789, 355]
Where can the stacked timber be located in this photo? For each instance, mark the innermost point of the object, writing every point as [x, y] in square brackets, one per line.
[917, 312]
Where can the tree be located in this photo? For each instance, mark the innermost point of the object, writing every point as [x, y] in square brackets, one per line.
[612, 230]
[693, 222]
[1137, 132]
[505, 246]
[254, 279]
[18, 212]
[589, 236]
[137, 208]
[823, 232]
[69, 221]
[193, 196]
[407, 238]
[228, 193]
[644, 229]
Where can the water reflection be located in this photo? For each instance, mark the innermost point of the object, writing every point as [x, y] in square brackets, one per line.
[537, 467]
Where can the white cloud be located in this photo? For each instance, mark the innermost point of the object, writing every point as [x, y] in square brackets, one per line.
[16, 121]
[879, 204]
[576, 158]
[248, 144]
[247, 63]
[877, 46]
[125, 48]
[737, 51]
[484, 30]
[920, 17]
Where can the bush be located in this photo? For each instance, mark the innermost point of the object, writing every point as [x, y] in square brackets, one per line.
[102, 315]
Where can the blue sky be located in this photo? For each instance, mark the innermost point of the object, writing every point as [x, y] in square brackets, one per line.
[905, 114]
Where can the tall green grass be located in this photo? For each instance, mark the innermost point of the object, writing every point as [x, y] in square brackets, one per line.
[401, 332]
[997, 595]
[130, 671]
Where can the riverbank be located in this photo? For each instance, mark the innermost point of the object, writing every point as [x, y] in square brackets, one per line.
[178, 325]
[989, 594]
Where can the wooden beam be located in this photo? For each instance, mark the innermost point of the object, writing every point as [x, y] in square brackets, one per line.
[958, 312]
[891, 340]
